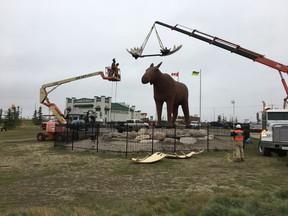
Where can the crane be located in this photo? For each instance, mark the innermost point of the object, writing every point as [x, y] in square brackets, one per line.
[224, 44]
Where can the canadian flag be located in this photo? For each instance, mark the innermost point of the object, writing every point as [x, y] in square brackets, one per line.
[175, 74]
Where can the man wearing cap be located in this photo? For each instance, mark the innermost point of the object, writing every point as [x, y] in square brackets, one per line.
[238, 135]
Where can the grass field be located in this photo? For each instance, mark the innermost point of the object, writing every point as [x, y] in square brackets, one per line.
[26, 131]
[36, 179]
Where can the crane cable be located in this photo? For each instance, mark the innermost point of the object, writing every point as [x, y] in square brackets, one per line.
[147, 38]
[158, 37]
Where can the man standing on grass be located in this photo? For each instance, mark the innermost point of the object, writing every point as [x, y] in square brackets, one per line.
[238, 135]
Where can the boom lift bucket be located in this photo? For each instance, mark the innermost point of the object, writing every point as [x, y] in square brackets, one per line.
[110, 76]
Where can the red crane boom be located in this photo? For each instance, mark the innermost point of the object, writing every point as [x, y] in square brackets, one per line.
[234, 48]
[229, 46]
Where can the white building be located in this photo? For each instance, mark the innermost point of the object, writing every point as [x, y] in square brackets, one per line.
[102, 109]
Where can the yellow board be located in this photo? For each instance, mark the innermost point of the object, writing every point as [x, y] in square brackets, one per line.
[150, 159]
[184, 156]
[159, 156]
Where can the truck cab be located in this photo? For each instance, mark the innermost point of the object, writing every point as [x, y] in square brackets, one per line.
[274, 136]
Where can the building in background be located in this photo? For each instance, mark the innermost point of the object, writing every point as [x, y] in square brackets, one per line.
[102, 109]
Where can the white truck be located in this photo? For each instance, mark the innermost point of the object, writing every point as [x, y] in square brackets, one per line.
[274, 136]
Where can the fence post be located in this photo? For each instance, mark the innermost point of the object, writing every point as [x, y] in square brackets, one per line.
[207, 137]
[72, 137]
[67, 133]
[174, 137]
[97, 132]
[152, 150]
[126, 151]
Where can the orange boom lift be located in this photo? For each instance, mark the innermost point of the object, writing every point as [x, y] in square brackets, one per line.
[50, 126]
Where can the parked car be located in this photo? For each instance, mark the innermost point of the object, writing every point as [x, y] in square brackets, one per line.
[131, 125]
[195, 125]
[78, 124]
[216, 124]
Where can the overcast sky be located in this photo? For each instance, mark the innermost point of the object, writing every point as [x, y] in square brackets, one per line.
[43, 41]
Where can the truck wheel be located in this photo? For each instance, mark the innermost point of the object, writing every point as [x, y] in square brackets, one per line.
[41, 136]
[264, 151]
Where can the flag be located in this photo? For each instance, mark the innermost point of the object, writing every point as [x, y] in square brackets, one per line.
[195, 73]
[175, 74]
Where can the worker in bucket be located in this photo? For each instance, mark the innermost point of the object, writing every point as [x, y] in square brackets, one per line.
[238, 135]
[114, 69]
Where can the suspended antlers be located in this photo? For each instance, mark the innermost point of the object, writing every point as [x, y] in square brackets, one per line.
[136, 52]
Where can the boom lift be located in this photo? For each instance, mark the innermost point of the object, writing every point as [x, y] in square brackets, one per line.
[234, 48]
[50, 126]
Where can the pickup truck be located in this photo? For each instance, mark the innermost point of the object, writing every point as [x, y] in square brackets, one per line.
[131, 125]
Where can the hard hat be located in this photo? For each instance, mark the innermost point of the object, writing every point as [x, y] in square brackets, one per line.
[238, 126]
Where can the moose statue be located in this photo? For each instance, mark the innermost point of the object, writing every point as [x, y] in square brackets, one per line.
[166, 89]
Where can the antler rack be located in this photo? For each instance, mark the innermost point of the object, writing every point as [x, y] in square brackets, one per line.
[136, 52]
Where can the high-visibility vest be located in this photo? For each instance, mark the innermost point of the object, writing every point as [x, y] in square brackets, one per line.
[239, 135]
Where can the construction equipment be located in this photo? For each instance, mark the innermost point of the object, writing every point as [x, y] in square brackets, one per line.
[234, 48]
[274, 135]
[51, 125]
[275, 121]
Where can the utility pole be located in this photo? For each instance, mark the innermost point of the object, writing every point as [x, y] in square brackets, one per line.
[233, 120]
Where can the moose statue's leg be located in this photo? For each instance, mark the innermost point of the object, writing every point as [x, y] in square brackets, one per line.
[175, 114]
[185, 109]
[169, 112]
[159, 106]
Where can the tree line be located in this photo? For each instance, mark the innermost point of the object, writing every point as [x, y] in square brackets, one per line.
[11, 118]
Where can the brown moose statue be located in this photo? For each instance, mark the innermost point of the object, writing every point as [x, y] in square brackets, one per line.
[166, 89]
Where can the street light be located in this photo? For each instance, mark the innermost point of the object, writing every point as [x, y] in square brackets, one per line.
[198, 73]
[233, 119]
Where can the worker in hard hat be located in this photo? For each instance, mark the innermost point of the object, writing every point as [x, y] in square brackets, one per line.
[238, 135]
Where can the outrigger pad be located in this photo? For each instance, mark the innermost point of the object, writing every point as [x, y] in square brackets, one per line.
[159, 156]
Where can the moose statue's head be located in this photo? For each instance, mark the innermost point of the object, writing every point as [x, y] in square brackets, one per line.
[152, 74]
